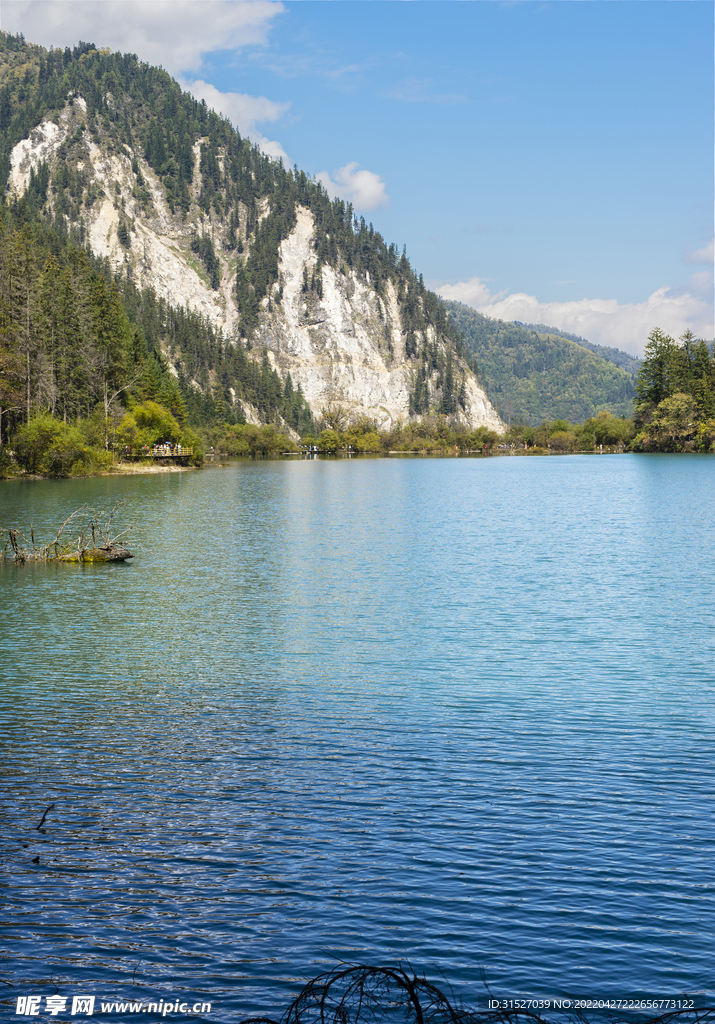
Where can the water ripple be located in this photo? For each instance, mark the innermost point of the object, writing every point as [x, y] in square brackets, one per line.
[456, 711]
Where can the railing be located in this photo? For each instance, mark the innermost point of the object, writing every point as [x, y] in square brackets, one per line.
[157, 451]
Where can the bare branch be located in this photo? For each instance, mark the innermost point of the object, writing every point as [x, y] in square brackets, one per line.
[42, 822]
[108, 550]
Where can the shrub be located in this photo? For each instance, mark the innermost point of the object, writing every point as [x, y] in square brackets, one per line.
[609, 429]
[191, 440]
[6, 463]
[241, 439]
[329, 441]
[53, 448]
[480, 437]
[673, 426]
[705, 437]
[563, 441]
[369, 442]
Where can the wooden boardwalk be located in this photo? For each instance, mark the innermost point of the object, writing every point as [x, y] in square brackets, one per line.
[157, 452]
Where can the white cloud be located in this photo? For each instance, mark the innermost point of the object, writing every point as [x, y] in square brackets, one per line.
[704, 255]
[244, 112]
[270, 147]
[602, 321]
[173, 33]
[364, 189]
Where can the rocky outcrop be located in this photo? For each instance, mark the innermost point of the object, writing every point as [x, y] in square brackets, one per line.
[347, 348]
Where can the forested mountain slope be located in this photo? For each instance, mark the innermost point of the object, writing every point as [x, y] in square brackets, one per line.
[532, 376]
[241, 278]
[631, 364]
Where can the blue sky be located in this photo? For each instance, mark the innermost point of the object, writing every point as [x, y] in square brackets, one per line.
[541, 161]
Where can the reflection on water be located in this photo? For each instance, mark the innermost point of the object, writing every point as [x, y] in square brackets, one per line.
[457, 711]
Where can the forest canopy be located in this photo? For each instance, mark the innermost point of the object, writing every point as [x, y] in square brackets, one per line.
[532, 374]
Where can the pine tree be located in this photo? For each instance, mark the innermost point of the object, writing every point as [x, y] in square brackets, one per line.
[657, 373]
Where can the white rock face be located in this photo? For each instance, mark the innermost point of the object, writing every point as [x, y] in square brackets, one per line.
[346, 349]
[41, 145]
[337, 348]
[160, 253]
[27, 155]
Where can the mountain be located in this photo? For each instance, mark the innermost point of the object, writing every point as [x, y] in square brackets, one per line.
[532, 376]
[256, 261]
[631, 364]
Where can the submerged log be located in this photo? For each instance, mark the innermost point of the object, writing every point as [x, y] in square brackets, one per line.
[85, 549]
[117, 554]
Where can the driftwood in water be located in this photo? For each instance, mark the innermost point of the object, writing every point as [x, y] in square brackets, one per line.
[95, 542]
[116, 554]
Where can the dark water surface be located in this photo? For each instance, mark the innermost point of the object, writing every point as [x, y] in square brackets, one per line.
[458, 711]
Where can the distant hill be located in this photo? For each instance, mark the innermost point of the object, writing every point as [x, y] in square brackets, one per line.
[531, 375]
[631, 364]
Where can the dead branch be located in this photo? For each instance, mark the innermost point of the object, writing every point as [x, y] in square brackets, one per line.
[70, 517]
[42, 822]
[109, 550]
[114, 540]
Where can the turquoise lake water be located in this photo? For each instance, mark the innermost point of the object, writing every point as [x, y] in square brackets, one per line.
[456, 711]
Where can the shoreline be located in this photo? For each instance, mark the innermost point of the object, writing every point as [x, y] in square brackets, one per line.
[125, 469]
[132, 468]
[122, 469]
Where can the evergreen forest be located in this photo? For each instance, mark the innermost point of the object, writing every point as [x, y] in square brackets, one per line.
[631, 364]
[532, 376]
[82, 347]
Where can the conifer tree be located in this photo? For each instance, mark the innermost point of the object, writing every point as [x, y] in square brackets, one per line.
[658, 372]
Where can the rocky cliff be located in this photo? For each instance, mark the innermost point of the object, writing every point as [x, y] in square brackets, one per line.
[262, 262]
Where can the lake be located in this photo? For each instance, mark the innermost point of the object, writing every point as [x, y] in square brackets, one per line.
[457, 711]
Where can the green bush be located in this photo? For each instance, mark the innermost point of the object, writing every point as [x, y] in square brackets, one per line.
[6, 463]
[94, 428]
[608, 429]
[149, 423]
[242, 439]
[369, 442]
[480, 437]
[563, 441]
[559, 427]
[704, 439]
[191, 440]
[52, 448]
[329, 441]
[672, 427]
